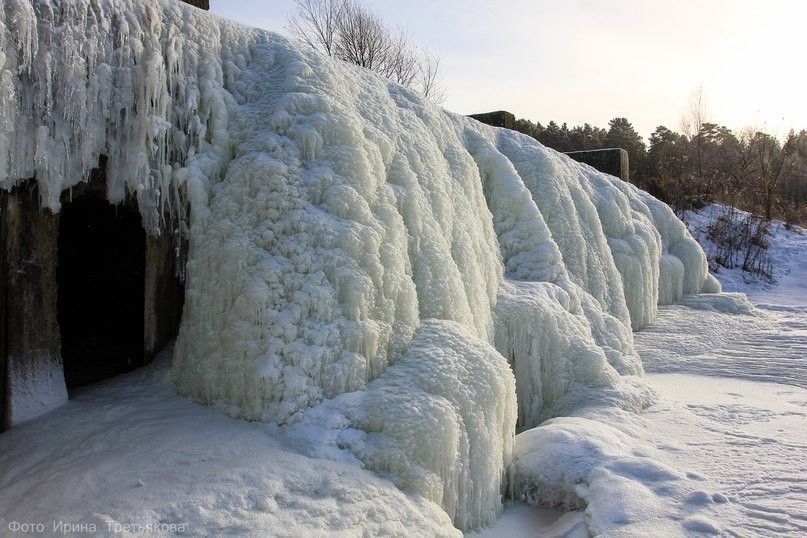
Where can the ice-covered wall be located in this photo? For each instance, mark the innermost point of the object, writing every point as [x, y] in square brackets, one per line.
[347, 237]
[130, 80]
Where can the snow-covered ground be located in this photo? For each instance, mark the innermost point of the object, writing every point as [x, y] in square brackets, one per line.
[721, 457]
[735, 411]
[768, 345]
[743, 443]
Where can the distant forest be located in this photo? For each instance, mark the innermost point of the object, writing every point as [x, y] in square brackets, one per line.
[751, 170]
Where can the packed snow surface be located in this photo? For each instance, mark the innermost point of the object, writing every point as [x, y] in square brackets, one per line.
[713, 457]
[743, 444]
[360, 259]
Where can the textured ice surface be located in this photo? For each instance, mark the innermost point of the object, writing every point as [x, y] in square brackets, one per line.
[346, 236]
[37, 385]
[442, 419]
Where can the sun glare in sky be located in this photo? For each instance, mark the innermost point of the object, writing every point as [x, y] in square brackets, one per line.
[589, 61]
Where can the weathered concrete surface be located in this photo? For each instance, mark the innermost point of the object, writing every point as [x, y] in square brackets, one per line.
[34, 382]
[499, 118]
[612, 161]
[3, 308]
[164, 295]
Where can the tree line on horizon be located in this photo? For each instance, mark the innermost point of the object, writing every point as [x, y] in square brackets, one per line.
[751, 170]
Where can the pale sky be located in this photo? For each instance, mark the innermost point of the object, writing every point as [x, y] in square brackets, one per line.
[589, 60]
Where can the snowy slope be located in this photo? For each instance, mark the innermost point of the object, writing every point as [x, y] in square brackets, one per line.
[360, 260]
[787, 251]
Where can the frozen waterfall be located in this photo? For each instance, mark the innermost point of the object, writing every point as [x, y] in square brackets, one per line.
[441, 281]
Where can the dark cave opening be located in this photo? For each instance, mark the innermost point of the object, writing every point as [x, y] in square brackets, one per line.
[100, 275]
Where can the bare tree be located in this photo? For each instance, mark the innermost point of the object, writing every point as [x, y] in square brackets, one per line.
[362, 38]
[430, 77]
[692, 121]
[350, 32]
[316, 22]
[401, 64]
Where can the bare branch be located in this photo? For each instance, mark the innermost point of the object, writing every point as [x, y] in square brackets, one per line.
[316, 22]
[430, 78]
[362, 38]
[351, 32]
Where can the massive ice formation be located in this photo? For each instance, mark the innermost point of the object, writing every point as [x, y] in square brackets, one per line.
[346, 236]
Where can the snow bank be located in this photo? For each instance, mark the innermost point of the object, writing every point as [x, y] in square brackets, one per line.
[346, 237]
[624, 484]
[540, 476]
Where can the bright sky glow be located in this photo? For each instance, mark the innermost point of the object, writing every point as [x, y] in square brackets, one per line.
[588, 60]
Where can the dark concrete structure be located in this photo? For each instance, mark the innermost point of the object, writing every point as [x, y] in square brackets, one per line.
[29, 335]
[500, 118]
[612, 161]
[202, 4]
[86, 293]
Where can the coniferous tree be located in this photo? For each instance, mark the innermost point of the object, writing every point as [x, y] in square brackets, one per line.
[586, 137]
[555, 136]
[621, 134]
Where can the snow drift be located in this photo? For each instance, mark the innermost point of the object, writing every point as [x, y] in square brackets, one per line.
[347, 237]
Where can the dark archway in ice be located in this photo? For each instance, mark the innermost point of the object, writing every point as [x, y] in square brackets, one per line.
[100, 273]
